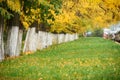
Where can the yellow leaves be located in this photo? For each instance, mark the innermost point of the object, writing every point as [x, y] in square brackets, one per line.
[39, 21]
[14, 5]
[62, 21]
[32, 10]
[29, 52]
[98, 19]
[50, 21]
[52, 12]
[85, 4]
[38, 10]
[83, 11]
[90, 62]
[25, 24]
[70, 4]
[100, 12]
[65, 17]
[33, 17]
[57, 27]
[27, 20]
[82, 30]
[82, 63]
[35, 12]
[109, 1]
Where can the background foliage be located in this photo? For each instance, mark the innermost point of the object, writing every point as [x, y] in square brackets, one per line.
[61, 16]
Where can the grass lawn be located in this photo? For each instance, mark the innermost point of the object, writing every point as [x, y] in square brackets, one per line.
[83, 59]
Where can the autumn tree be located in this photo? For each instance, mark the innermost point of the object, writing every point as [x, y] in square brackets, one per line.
[80, 15]
[4, 14]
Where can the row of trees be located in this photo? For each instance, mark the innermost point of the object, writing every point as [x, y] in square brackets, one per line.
[56, 16]
[15, 15]
[79, 15]
[60, 15]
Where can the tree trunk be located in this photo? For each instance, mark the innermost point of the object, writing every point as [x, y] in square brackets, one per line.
[19, 43]
[60, 38]
[70, 37]
[39, 41]
[12, 41]
[1, 38]
[25, 49]
[13, 36]
[49, 39]
[44, 39]
[66, 37]
[54, 38]
[76, 36]
[30, 42]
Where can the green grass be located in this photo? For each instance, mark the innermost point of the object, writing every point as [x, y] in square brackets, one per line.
[83, 59]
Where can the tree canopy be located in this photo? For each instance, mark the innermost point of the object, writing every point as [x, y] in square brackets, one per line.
[63, 16]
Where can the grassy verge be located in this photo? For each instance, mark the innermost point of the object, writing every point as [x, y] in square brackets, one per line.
[83, 59]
